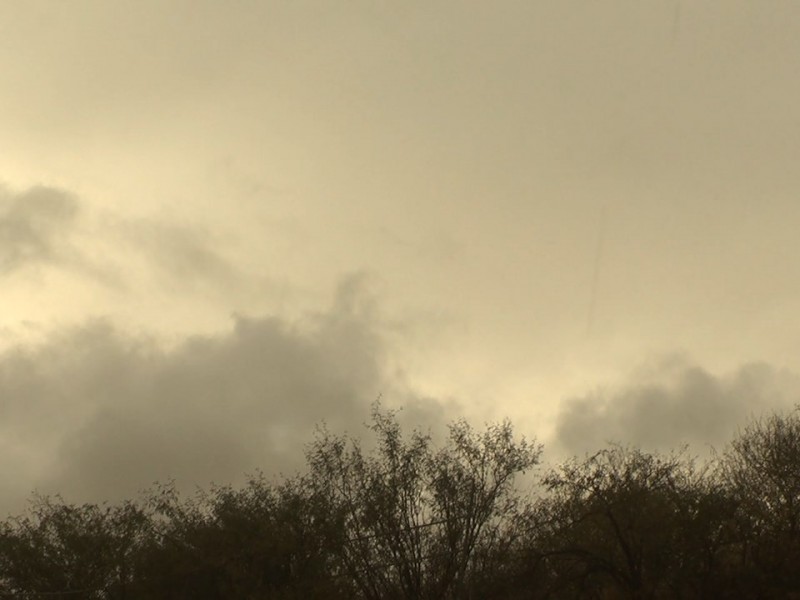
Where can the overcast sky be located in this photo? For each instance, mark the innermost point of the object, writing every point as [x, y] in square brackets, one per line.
[222, 222]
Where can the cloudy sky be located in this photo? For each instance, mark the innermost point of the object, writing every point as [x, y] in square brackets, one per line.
[223, 222]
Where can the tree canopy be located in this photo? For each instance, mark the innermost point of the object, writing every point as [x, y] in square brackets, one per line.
[413, 518]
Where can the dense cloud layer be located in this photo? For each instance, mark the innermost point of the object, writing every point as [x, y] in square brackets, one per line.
[95, 413]
[672, 403]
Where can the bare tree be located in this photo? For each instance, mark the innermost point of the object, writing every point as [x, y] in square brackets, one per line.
[761, 468]
[420, 522]
[630, 524]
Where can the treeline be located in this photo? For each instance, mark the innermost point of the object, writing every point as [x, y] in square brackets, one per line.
[411, 519]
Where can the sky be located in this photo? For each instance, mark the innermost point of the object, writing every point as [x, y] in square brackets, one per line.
[222, 224]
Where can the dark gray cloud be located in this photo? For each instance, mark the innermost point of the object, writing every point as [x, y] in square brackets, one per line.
[35, 226]
[96, 413]
[671, 403]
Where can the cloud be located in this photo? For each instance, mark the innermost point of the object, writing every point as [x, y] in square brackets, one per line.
[95, 413]
[180, 255]
[35, 227]
[671, 403]
[46, 226]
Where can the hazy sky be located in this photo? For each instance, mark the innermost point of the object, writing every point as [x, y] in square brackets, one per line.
[222, 222]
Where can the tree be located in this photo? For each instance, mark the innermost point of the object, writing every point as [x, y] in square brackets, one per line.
[262, 541]
[762, 471]
[630, 524]
[85, 551]
[417, 521]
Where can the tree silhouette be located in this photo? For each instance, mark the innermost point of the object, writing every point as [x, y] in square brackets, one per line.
[80, 551]
[420, 522]
[762, 470]
[630, 524]
[413, 519]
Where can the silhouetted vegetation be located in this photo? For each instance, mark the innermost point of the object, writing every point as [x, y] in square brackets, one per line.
[411, 519]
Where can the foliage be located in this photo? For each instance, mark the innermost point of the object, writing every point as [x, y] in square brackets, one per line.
[631, 524]
[262, 541]
[762, 469]
[413, 519]
[87, 551]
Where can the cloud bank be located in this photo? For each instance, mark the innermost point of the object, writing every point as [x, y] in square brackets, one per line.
[95, 413]
[672, 403]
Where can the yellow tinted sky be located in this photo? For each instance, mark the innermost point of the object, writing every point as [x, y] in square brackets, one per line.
[545, 194]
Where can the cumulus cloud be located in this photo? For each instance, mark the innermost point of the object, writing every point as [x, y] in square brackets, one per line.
[95, 413]
[672, 403]
[35, 227]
